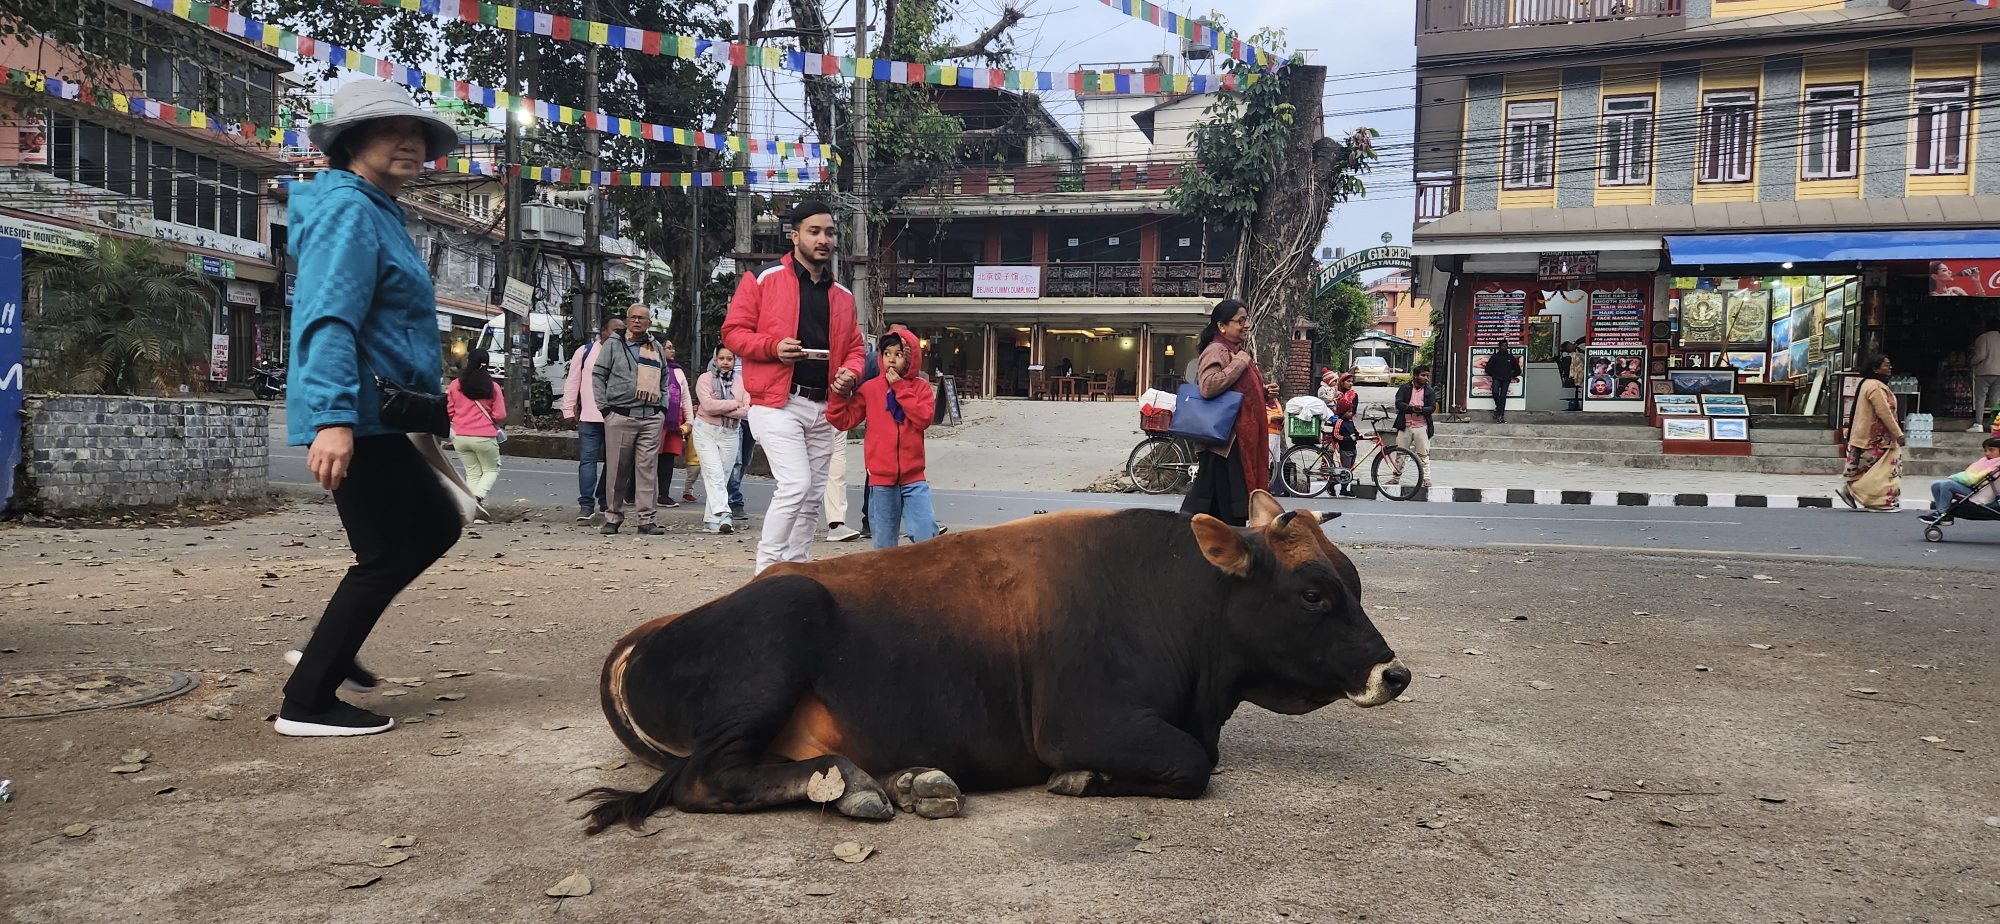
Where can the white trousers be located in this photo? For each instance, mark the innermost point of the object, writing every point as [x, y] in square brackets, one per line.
[713, 442]
[799, 444]
[836, 482]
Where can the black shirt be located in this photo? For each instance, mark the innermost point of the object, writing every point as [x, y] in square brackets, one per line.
[814, 325]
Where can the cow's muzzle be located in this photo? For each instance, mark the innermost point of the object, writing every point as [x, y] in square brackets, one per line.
[1386, 681]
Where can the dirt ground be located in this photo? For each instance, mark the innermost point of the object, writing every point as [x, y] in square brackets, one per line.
[1770, 741]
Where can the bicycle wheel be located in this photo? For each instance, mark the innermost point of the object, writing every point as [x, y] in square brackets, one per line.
[1305, 471]
[1397, 472]
[1158, 465]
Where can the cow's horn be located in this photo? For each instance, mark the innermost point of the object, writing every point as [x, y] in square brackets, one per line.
[1326, 515]
[1283, 524]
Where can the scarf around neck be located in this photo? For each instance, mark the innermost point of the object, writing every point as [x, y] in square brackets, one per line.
[724, 383]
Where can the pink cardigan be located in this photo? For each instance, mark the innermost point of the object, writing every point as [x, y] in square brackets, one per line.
[466, 417]
[714, 411]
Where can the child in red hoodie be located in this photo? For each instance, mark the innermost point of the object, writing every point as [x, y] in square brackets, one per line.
[897, 407]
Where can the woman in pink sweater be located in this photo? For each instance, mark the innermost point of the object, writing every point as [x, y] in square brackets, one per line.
[477, 407]
[718, 422]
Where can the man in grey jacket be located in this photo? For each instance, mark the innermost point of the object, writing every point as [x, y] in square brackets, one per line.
[629, 380]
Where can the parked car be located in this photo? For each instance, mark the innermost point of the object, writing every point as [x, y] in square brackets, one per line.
[1373, 370]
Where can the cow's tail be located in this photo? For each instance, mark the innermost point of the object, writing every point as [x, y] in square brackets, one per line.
[629, 806]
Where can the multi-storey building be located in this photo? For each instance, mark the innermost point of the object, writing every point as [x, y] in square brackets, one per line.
[1395, 311]
[1056, 264]
[1777, 186]
[72, 171]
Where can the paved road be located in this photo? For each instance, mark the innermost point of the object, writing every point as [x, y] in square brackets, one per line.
[1806, 535]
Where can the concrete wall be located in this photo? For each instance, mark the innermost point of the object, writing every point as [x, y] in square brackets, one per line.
[102, 450]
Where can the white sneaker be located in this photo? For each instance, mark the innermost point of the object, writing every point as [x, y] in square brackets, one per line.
[351, 684]
[843, 534]
[1975, 428]
[342, 721]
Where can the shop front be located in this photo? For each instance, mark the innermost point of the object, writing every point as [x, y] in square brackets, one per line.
[1610, 319]
[1054, 348]
[1817, 305]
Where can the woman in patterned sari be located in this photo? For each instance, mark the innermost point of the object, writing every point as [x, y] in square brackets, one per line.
[1874, 443]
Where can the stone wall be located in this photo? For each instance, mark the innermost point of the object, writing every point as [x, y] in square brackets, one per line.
[104, 450]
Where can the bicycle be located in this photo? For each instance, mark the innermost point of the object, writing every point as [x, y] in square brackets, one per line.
[1162, 463]
[1310, 470]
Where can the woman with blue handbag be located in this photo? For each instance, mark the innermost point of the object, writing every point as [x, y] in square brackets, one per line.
[1238, 462]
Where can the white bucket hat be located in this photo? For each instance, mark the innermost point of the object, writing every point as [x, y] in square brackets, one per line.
[368, 100]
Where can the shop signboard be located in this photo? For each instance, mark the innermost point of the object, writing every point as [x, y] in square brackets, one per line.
[218, 361]
[1567, 266]
[212, 266]
[12, 388]
[518, 297]
[1006, 282]
[1618, 318]
[1977, 278]
[47, 238]
[1614, 377]
[241, 293]
[1499, 315]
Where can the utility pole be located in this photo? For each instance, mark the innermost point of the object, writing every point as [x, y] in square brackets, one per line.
[593, 215]
[744, 227]
[510, 248]
[864, 266]
[694, 261]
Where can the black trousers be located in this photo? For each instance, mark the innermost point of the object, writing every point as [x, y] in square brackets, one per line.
[1219, 489]
[399, 520]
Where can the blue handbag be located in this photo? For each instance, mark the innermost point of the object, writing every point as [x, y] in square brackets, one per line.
[1205, 420]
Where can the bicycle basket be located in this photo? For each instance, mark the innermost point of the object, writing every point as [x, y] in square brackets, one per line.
[1155, 420]
[1301, 426]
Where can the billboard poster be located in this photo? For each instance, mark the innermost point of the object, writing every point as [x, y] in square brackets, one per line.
[1617, 317]
[218, 361]
[1499, 315]
[1614, 377]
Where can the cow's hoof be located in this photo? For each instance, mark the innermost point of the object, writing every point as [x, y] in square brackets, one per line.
[1071, 782]
[927, 793]
[865, 804]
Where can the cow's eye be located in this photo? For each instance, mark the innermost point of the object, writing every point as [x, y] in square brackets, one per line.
[1313, 597]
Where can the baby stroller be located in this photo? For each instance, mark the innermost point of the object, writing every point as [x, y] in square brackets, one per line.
[1964, 508]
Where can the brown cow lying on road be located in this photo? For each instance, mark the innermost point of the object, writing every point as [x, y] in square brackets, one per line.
[1096, 652]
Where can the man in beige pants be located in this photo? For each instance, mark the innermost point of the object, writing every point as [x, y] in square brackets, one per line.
[628, 379]
[837, 529]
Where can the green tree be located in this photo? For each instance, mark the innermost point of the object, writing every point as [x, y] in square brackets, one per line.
[120, 318]
[1341, 313]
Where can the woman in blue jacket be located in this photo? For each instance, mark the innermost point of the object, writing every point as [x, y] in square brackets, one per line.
[364, 309]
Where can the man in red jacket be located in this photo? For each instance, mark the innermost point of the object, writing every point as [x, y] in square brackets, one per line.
[897, 407]
[795, 331]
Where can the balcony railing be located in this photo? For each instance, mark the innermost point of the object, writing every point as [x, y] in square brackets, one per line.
[1163, 279]
[1461, 15]
[1061, 177]
[1437, 195]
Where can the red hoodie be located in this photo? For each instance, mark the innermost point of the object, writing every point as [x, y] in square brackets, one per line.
[894, 451]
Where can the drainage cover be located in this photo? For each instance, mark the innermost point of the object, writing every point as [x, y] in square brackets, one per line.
[29, 694]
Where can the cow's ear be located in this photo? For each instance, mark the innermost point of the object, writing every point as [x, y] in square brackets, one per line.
[1263, 509]
[1222, 545]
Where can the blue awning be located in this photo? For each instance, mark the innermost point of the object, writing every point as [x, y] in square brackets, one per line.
[1829, 247]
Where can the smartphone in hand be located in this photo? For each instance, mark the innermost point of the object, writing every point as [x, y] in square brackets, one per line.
[818, 354]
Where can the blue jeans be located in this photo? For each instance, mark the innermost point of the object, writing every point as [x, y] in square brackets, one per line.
[1944, 491]
[590, 455]
[908, 506]
[745, 445]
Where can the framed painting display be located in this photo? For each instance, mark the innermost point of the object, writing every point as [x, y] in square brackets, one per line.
[1799, 364]
[1815, 287]
[1749, 318]
[1730, 429]
[1677, 405]
[1544, 332]
[1853, 290]
[1749, 365]
[1763, 405]
[1799, 328]
[1779, 369]
[1704, 318]
[1684, 428]
[1725, 406]
[1702, 381]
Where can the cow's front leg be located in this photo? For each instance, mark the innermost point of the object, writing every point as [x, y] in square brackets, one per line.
[749, 787]
[926, 791]
[1147, 757]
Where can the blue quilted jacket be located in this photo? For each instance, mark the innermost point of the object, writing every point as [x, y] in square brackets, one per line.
[364, 307]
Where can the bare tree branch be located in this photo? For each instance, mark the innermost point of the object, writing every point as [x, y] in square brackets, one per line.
[980, 47]
[725, 115]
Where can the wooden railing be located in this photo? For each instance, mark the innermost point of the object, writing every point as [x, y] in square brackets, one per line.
[1461, 15]
[1085, 176]
[1437, 196]
[1162, 279]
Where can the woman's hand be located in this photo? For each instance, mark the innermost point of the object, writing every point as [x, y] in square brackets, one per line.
[1270, 391]
[332, 449]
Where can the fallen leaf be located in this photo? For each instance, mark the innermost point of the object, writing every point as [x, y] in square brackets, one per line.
[363, 880]
[819, 890]
[1701, 667]
[1142, 836]
[443, 752]
[851, 851]
[400, 840]
[1404, 699]
[572, 886]
[1604, 796]
[1667, 821]
[611, 765]
[76, 830]
[1932, 739]
[450, 697]
[556, 726]
[135, 768]
[388, 859]
[826, 786]
[1433, 824]
[1761, 647]
[1474, 651]
[1868, 690]
[1145, 848]
[448, 734]
[1541, 685]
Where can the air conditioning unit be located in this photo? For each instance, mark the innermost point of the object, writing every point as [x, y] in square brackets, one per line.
[545, 223]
